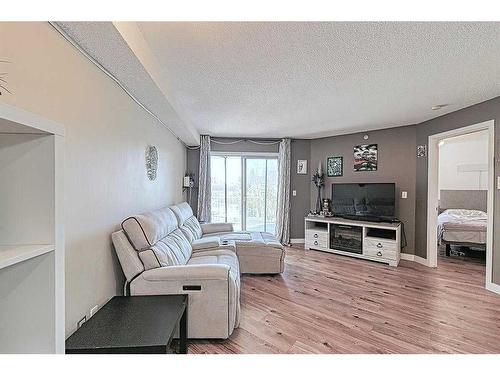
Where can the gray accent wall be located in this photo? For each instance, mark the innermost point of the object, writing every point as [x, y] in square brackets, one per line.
[396, 163]
[301, 183]
[489, 110]
[193, 166]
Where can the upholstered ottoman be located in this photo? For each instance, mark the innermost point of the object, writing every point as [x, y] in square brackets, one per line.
[258, 252]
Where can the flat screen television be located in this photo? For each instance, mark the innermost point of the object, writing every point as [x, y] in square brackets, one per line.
[363, 200]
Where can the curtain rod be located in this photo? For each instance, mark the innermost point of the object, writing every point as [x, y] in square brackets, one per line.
[245, 140]
[237, 141]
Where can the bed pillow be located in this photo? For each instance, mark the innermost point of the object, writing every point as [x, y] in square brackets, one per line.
[470, 214]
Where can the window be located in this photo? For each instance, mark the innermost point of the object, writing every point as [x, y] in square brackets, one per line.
[245, 190]
[226, 189]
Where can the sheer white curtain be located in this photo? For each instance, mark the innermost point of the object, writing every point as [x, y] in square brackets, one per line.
[204, 184]
[283, 207]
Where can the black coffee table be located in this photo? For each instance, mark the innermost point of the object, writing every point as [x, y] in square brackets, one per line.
[136, 324]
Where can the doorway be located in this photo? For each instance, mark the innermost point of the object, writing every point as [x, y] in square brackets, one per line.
[433, 207]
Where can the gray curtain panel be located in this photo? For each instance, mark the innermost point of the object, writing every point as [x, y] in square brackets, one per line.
[204, 184]
[283, 208]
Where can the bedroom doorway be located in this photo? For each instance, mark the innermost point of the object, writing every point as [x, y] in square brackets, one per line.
[478, 177]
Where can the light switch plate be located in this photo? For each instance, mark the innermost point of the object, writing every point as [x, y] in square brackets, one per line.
[404, 194]
[294, 193]
[498, 182]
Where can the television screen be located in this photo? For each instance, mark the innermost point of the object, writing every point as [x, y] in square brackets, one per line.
[374, 199]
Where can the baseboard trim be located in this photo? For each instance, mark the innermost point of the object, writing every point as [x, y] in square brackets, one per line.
[492, 287]
[410, 257]
[297, 240]
[415, 258]
[422, 261]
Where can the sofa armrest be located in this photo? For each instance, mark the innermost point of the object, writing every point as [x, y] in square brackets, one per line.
[188, 273]
[206, 243]
[216, 228]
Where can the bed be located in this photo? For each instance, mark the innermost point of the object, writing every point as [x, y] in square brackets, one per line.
[462, 220]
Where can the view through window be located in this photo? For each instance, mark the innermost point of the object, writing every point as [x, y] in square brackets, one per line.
[245, 191]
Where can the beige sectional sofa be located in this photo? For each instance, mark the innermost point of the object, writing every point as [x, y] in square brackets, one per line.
[167, 251]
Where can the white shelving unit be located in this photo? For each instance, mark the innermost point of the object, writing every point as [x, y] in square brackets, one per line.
[10, 255]
[31, 233]
[380, 242]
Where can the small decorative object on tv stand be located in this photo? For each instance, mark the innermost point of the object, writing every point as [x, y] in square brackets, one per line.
[318, 179]
[377, 241]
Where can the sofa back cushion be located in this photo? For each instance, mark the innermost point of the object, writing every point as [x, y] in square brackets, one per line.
[157, 239]
[187, 222]
[172, 250]
[146, 229]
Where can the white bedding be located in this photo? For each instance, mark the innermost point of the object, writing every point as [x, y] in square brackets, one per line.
[463, 226]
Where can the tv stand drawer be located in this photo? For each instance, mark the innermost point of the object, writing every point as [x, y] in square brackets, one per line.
[315, 244]
[378, 253]
[316, 235]
[379, 244]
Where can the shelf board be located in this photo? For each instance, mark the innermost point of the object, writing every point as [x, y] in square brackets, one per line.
[381, 239]
[13, 254]
[318, 229]
[16, 120]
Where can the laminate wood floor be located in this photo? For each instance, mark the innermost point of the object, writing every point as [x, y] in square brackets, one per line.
[326, 303]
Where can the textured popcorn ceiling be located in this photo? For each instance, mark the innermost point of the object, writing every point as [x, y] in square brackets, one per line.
[316, 79]
[103, 42]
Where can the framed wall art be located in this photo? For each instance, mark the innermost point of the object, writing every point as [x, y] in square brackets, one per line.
[301, 166]
[365, 158]
[335, 166]
[421, 151]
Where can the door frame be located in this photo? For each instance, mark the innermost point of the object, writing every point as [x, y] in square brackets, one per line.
[433, 193]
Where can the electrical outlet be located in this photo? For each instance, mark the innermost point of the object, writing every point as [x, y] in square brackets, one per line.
[294, 193]
[404, 194]
[81, 322]
[93, 310]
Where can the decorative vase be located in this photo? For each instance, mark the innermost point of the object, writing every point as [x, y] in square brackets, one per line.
[318, 201]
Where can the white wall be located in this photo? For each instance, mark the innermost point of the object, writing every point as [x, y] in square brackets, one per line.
[106, 137]
[467, 152]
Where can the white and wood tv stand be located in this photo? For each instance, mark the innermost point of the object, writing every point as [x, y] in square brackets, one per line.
[381, 242]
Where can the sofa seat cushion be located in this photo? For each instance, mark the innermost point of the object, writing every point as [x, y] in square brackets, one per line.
[226, 257]
[259, 238]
